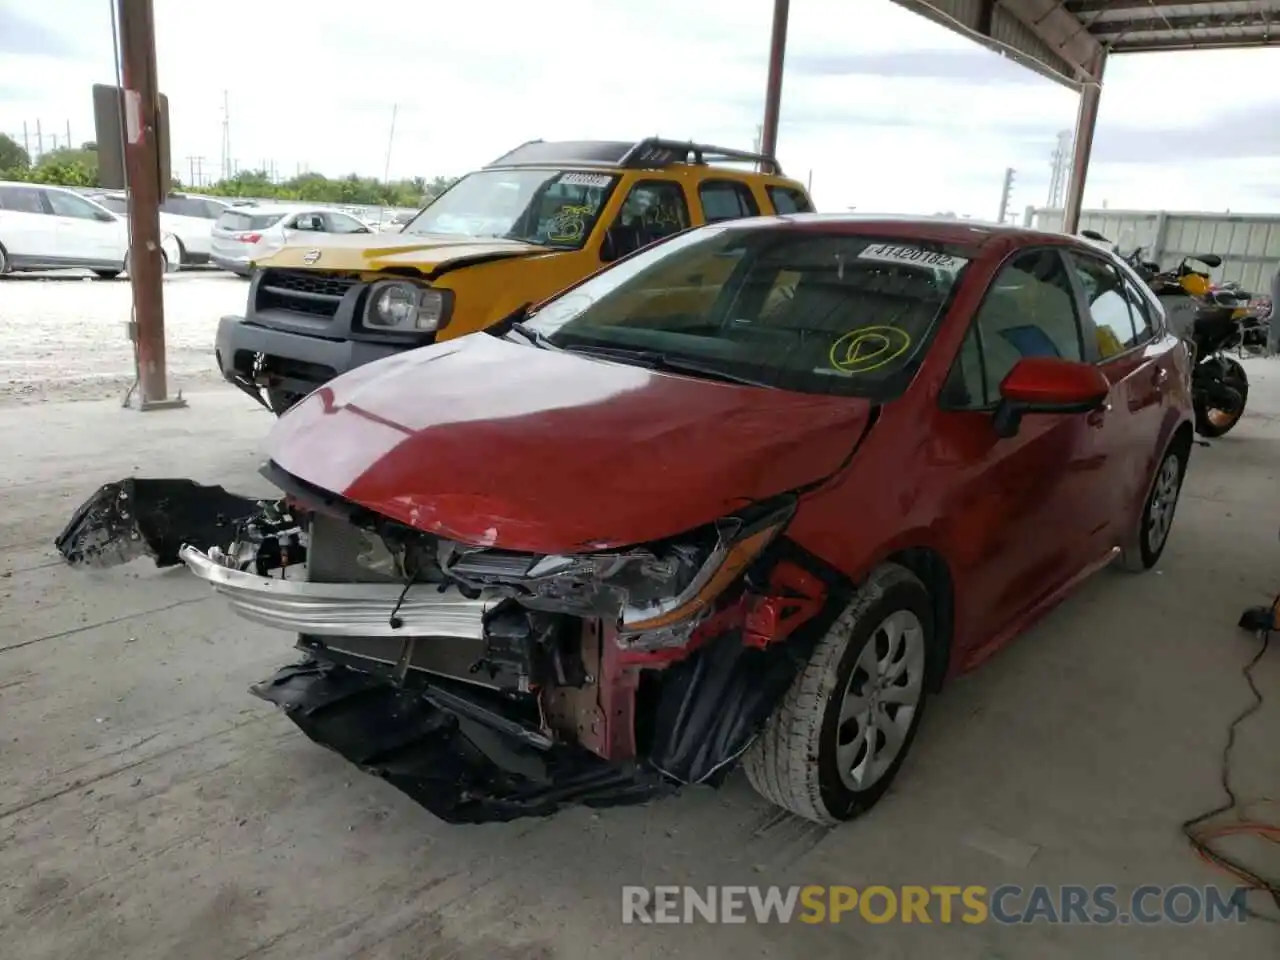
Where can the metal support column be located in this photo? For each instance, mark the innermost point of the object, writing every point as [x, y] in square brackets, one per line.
[773, 88]
[142, 168]
[1086, 123]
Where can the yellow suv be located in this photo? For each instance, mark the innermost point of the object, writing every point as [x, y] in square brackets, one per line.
[533, 222]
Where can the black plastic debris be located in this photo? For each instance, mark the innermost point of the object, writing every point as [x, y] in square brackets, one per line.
[459, 770]
[135, 518]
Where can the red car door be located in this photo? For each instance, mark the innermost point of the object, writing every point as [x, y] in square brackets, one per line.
[1128, 431]
[1021, 516]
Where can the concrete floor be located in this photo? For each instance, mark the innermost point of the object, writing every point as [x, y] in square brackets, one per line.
[151, 808]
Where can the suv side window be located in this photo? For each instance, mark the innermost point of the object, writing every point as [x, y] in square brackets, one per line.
[1029, 311]
[788, 200]
[69, 205]
[1108, 305]
[20, 200]
[726, 200]
[654, 209]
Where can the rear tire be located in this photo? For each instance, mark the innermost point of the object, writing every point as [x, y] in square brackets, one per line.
[1154, 525]
[1212, 423]
[107, 274]
[834, 744]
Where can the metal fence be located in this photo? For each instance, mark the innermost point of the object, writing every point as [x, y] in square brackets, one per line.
[1249, 244]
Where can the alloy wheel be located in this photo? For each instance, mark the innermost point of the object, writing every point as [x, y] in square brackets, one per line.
[880, 700]
[1164, 500]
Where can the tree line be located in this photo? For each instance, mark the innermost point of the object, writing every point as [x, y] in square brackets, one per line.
[79, 168]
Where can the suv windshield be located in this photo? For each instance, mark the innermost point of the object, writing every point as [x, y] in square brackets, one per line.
[552, 208]
[795, 309]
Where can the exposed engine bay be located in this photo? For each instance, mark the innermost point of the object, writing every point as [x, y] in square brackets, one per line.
[489, 684]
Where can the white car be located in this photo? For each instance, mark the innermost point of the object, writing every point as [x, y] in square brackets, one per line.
[243, 234]
[43, 227]
[188, 217]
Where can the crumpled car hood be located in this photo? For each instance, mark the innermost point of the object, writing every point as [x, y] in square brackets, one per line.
[501, 444]
[378, 251]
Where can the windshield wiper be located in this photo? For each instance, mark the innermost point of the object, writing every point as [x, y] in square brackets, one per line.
[514, 321]
[666, 362]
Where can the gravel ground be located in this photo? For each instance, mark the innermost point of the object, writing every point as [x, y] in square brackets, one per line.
[65, 335]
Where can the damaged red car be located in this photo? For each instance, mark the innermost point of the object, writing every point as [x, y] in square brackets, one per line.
[751, 494]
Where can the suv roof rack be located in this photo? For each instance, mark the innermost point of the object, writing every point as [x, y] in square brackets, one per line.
[648, 153]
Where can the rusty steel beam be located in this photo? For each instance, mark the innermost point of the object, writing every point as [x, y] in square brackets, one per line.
[773, 85]
[142, 166]
[1086, 124]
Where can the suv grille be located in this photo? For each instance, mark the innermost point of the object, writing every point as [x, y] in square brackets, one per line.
[302, 291]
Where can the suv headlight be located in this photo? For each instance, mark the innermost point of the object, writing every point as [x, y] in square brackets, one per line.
[400, 305]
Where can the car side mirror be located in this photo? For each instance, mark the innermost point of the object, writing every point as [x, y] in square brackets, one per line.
[1048, 385]
[104, 216]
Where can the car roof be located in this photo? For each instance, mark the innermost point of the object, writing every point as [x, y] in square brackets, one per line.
[970, 233]
[269, 208]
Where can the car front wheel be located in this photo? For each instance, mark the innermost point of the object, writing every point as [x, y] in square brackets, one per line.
[834, 744]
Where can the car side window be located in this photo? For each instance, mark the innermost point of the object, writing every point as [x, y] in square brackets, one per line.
[20, 200]
[726, 200]
[341, 223]
[1108, 305]
[1144, 318]
[1028, 311]
[308, 221]
[69, 205]
[787, 200]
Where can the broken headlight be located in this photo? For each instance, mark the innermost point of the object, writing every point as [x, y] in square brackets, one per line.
[739, 541]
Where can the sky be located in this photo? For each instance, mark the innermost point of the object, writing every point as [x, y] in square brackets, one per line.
[885, 111]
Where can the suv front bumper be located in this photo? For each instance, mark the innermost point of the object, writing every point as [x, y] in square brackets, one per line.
[294, 362]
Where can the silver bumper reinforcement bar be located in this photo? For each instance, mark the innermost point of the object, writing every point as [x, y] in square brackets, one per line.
[343, 609]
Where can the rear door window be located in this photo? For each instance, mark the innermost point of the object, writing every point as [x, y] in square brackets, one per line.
[788, 200]
[20, 200]
[726, 200]
[1113, 317]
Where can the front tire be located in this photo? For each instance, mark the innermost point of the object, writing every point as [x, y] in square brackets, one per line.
[834, 744]
[1144, 551]
[4, 260]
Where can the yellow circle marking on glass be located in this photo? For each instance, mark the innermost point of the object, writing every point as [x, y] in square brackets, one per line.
[869, 349]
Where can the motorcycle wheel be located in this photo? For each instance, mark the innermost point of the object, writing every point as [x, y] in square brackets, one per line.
[1216, 421]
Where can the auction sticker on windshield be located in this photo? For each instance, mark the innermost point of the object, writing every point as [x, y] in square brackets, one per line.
[585, 179]
[897, 253]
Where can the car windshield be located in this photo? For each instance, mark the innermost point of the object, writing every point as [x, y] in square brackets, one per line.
[552, 208]
[789, 308]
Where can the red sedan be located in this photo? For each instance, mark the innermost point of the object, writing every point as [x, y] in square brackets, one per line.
[751, 493]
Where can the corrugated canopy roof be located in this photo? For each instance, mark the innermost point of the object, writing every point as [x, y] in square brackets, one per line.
[1063, 38]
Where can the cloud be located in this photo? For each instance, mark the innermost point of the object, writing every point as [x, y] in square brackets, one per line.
[972, 66]
[24, 37]
[888, 110]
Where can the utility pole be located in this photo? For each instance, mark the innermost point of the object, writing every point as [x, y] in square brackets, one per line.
[1006, 194]
[39, 144]
[391, 139]
[26, 140]
[68, 134]
[226, 138]
[143, 175]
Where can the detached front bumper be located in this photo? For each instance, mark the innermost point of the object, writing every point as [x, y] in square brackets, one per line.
[344, 609]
